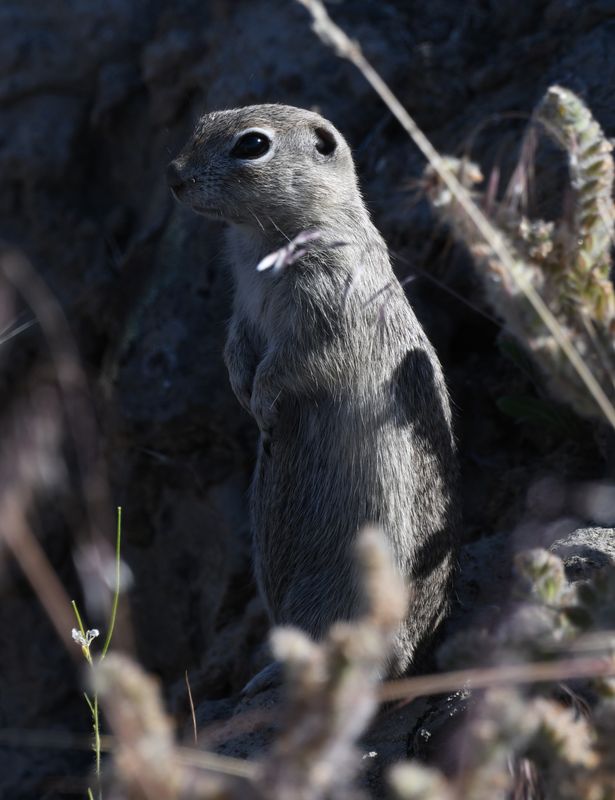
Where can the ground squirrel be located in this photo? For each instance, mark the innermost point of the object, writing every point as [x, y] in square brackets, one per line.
[326, 353]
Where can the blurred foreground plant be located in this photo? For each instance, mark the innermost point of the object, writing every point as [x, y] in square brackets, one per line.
[546, 741]
[331, 695]
[563, 732]
[567, 262]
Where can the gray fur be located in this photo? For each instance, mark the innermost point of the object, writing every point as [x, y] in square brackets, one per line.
[330, 359]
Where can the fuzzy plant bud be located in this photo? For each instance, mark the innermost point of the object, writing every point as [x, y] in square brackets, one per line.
[539, 576]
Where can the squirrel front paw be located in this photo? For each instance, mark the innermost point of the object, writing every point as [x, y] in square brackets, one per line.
[263, 409]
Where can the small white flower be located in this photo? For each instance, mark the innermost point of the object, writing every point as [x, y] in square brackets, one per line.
[85, 641]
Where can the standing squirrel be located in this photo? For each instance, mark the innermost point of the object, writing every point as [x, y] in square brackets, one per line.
[326, 353]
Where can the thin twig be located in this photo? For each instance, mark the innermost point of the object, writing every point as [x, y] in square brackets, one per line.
[192, 712]
[117, 587]
[419, 272]
[16, 331]
[538, 672]
[58, 740]
[215, 763]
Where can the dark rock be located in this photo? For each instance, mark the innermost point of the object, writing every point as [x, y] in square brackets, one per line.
[585, 551]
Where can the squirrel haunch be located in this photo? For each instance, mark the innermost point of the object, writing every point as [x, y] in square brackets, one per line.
[329, 357]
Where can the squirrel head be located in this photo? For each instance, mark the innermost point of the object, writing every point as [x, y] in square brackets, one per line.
[265, 166]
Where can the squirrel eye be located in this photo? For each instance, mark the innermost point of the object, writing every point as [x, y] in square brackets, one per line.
[325, 141]
[251, 145]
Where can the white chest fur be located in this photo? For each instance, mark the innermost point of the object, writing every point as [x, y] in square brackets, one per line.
[254, 291]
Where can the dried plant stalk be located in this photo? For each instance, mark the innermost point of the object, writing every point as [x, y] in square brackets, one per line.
[567, 264]
[586, 261]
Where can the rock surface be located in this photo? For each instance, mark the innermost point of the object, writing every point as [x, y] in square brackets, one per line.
[94, 100]
[585, 551]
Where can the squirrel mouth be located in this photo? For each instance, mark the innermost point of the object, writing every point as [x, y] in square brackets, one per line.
[206, 211]
[182, 194]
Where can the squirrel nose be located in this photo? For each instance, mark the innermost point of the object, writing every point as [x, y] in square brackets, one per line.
[174, 178]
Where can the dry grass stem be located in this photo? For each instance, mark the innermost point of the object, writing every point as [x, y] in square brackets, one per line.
[192, 714]
[504, 675]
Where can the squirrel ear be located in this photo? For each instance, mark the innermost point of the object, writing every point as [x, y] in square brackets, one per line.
[326, 142]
